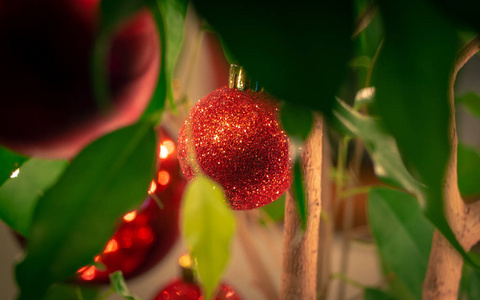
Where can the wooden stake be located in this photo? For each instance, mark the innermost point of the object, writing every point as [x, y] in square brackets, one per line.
[300, 249]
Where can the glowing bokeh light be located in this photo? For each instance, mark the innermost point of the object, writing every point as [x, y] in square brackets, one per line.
[15, 173]
[163, 177]
[129, 217]
[112, 246]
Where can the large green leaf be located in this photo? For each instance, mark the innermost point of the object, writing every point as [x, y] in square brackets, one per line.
[376, 294]
[412, 80]
[388, 164]
[19, 195]
[297, 121]
[298, 52]
[77, 216]
[9, 162]
[468, 168]
[472, 101]
[208, 228]
[402, 234]
[68, 292]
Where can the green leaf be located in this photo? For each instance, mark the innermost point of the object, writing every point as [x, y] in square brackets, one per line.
[298, 52]
[77, 216]
[276, 209]
[388, 164]
[299, 192]
[65, 292]
[411, 78]
[208, 227]
[19, 195]
[376, 294]
[169, 16]
[9, 162]
[364, 98]
[120, 286]
[470, 284]
[112, 14]
[471, 100]
[173, 12]
[296, 120]
[402, 234]
[468, 167]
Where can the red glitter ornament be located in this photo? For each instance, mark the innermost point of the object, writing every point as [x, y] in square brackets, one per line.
[146, 234]
[179, 289]
[186, 288]
[238, 141]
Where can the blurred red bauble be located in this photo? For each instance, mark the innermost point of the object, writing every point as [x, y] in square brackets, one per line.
[48, 107]
[238, 141]
[180, 289]
[146, 234]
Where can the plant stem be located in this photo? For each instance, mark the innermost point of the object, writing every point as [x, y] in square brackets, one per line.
[355, 191]
[345, 279]
[348, 213]
[372, 64]
[444, 271]
[78, 291]
[300, 248]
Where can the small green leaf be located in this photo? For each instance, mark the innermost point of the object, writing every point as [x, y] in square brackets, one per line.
[402, 234]
[376, 294]
[468, 167]
[388, 164]
[299, 192]
[296, 120]
[471, 100]
[120, 286]
[169, 15]
[276, 209]
[173, 12]
[208, 228]
[19, 195]
[299, 53]
[77, 216]
[9, 162]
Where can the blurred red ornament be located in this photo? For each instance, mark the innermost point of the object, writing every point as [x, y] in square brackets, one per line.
[146, 234]
[238, 141]
[186, 288]
[179, 289]
[48, 105]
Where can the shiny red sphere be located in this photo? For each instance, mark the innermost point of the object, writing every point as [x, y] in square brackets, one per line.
[147, 234]
[238, 141]
[48, 108]
[182, 290]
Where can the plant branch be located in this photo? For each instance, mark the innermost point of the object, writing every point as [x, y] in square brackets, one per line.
[444, 271]
[300, 248]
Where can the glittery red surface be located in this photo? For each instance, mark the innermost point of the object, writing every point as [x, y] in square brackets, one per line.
[239, 143]
[181, 290]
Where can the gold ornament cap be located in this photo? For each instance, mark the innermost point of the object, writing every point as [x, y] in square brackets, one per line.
[237, 78]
